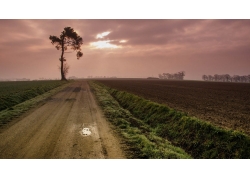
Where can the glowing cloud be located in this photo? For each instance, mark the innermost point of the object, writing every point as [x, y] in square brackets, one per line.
[103, 44]
[100, 36]
[123, 41]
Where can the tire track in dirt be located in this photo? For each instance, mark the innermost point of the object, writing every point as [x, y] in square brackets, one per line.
[54, 130]
[12, 138]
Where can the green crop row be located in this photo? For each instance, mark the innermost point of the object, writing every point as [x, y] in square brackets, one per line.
[140, 137]
[12, 94]
[199, 138]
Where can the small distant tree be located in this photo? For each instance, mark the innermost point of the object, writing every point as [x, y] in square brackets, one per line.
[177, 76]
[228, 77]
[216, 77]
[181, 75]
[68, 38]
[205, 77]
[236, 78]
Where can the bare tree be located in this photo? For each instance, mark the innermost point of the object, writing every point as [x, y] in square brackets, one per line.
[68, 38]
[236, 78]
[205, 77]
[210, 78]
[181, 75]
[216, 77]
[160, 76]
[178, 76]
[166, 76]
[243, 78]
[227, 78]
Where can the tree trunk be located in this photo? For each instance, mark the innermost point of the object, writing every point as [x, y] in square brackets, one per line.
[63, 78]
[62, 73]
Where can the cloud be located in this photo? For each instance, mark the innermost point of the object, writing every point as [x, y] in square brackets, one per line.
[150, 45]
[103, 44]
[101, 35]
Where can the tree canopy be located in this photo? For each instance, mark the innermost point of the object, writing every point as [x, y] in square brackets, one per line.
[68, 39]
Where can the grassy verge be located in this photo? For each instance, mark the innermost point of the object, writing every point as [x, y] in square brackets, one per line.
[141, 138]
[13, 93]
[199, 138]
[8, 114]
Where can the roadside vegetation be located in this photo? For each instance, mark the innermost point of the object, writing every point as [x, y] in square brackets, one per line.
[141, 138]
[223, 104]
[18, 97]
[143, 117]
[13, 93]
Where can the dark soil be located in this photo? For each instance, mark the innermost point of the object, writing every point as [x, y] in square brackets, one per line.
[223, 104]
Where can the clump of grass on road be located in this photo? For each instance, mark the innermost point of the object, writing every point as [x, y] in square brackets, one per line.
[141, 138]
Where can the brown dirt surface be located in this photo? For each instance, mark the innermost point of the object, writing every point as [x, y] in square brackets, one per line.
[223, 104]
[54, 129]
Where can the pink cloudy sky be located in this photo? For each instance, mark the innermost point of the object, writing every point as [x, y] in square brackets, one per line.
[127, 48]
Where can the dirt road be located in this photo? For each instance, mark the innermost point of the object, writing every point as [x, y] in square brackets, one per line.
[55, 129]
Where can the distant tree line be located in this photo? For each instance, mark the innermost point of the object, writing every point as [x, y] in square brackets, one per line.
[227, 78]
[176, 76]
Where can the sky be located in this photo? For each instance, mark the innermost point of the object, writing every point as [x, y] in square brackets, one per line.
[126, 48]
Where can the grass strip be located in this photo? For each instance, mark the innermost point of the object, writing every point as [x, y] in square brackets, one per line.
[8, 114]
[22, 91]
[199, 138]
[140, 137]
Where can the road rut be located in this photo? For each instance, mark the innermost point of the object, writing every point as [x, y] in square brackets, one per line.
[54, 130]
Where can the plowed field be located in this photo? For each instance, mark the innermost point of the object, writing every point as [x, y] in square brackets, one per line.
[223, 104]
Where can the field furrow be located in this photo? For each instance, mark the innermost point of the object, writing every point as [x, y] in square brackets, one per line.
[223, 104]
